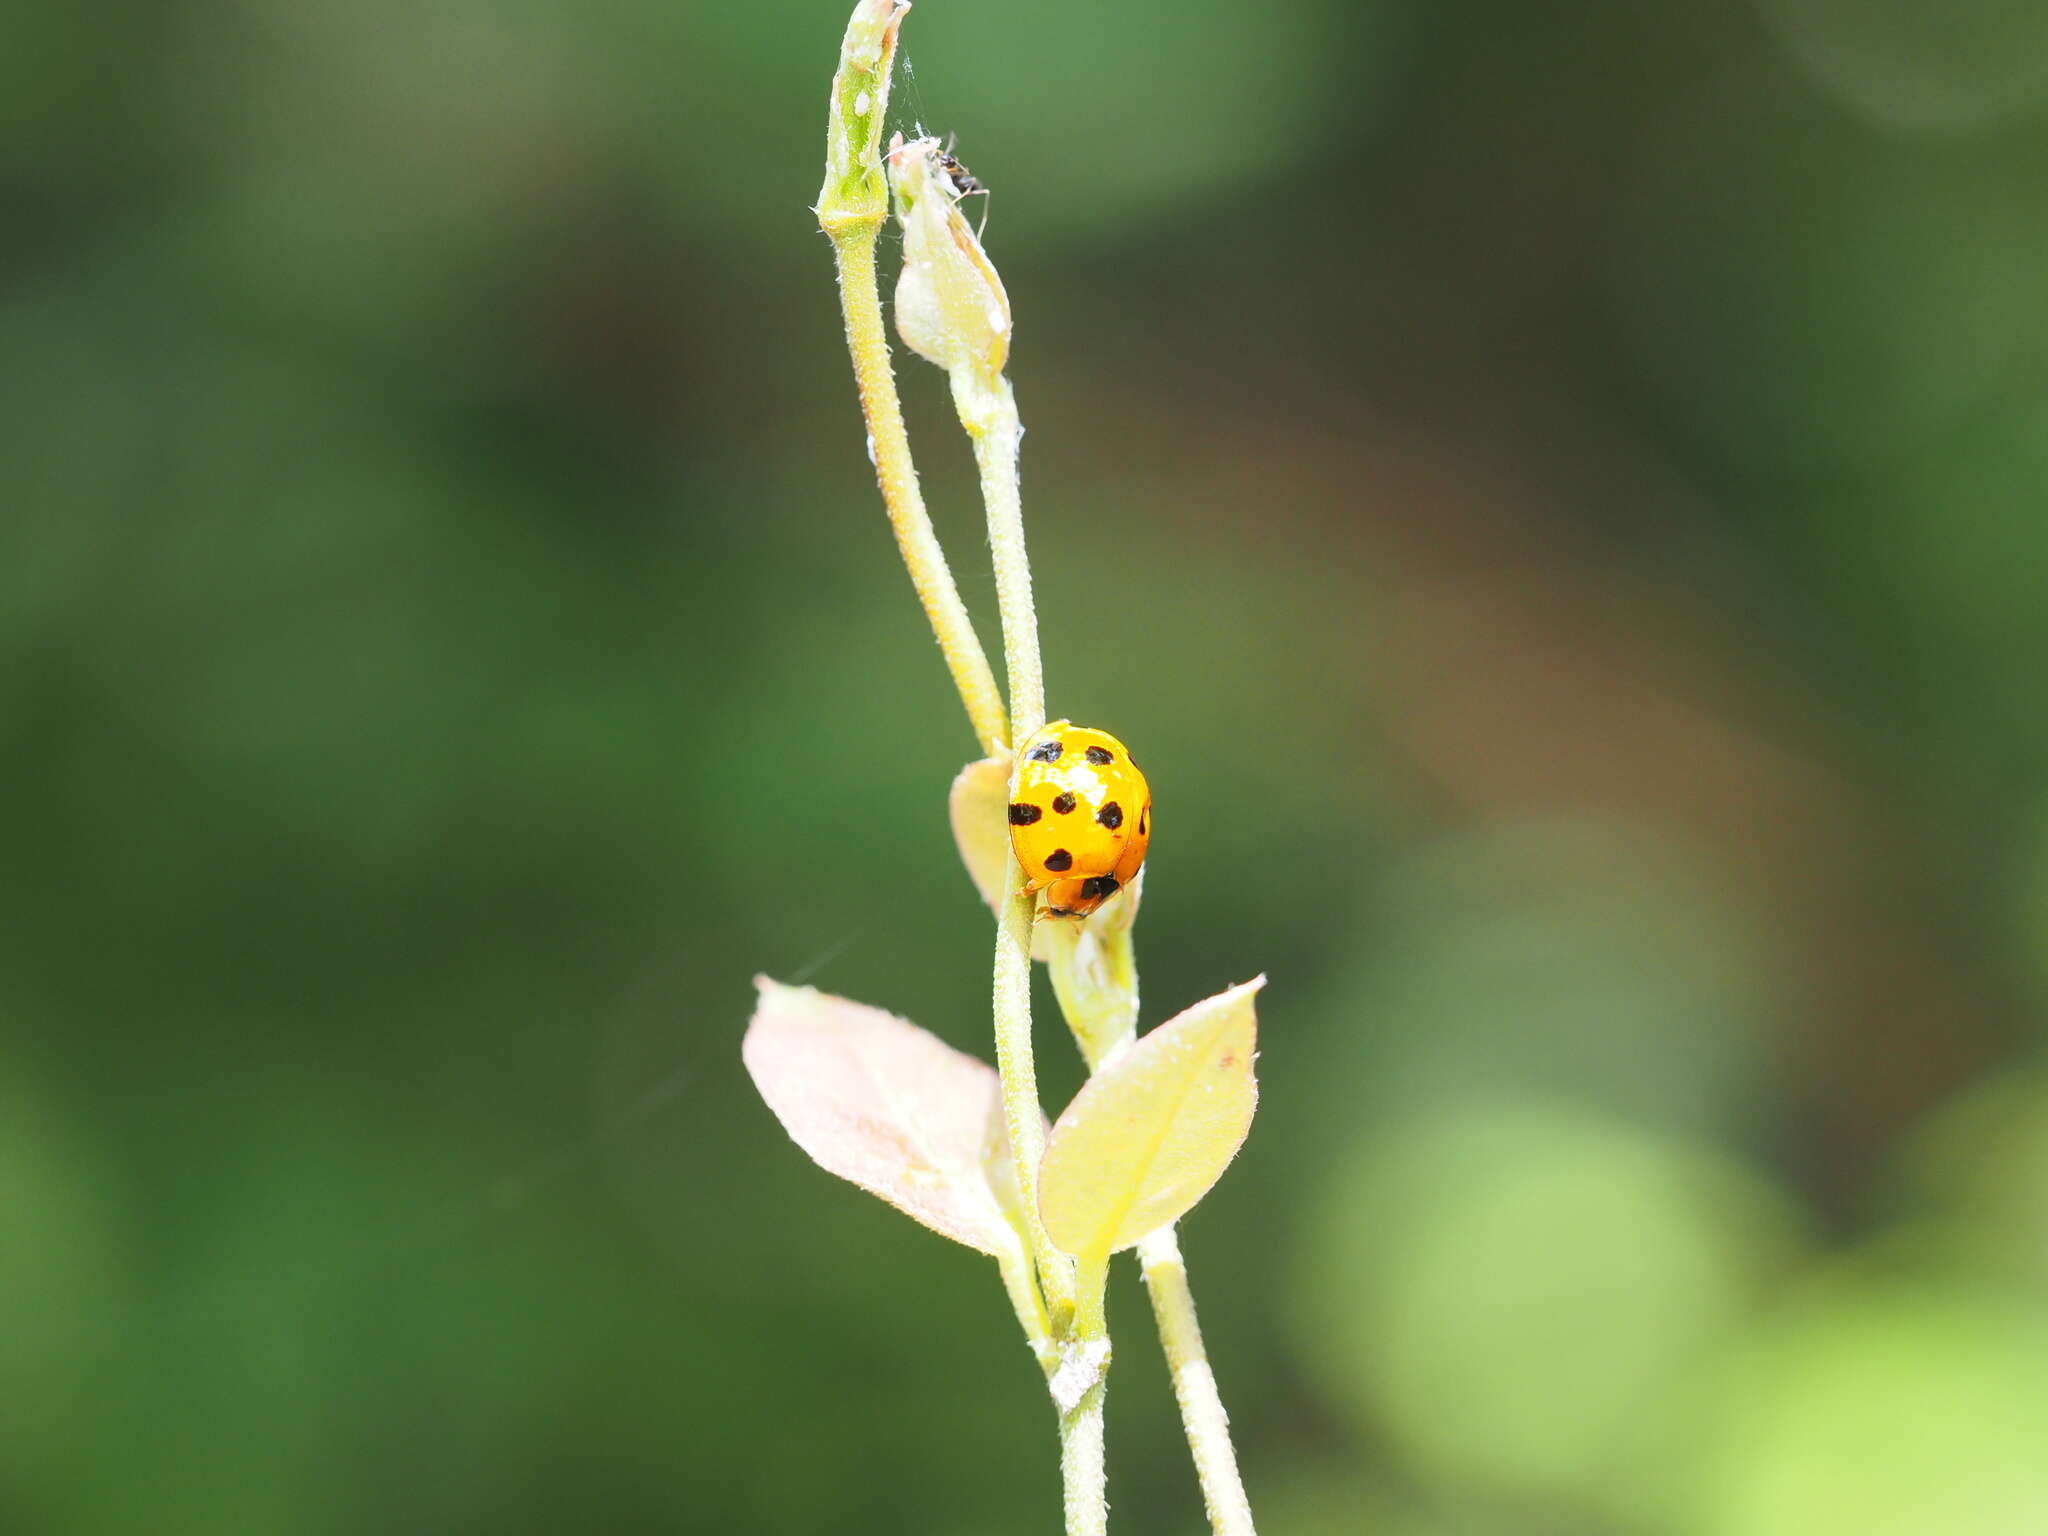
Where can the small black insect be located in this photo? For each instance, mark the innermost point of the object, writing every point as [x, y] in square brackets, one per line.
[963, 179]
[965, 182]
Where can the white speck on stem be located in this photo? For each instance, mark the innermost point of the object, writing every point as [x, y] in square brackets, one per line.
[871, 448]
[861, 103]
[1080, 1370]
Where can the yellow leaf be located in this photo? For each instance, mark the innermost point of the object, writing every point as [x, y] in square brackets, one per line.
[1154, 1129]
[978, 805]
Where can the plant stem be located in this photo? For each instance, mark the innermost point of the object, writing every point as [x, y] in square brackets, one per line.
[1022, 1115]
[1194, 1385]
[1074, 1348]
[1103, 1018]
[852, 206]
[988, 410]
[867, 340]
[1029, 1305]
[1082, 1469]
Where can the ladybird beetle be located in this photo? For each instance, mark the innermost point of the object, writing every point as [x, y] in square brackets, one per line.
[1080, 817]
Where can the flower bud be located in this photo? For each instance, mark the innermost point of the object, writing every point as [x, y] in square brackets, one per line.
[950, 305]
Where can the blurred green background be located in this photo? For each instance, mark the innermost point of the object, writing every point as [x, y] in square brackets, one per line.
[1554, 494]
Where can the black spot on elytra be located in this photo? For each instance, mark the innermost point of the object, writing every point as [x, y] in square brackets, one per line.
[1100, 887]
[1145, 822]
[1058, 860]
[1100, 756]
[1063, 803]
[1022, 815]
[1047, 752]
[1111, 815]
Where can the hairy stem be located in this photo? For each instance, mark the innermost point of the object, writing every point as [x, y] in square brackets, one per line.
[988, 410]
[897, 474]
[1021, 1113]
[1194, 1385]
[1079, 1389]
[1101, 1036]
[852, 206]
[1082, 1471]
[1029, 1305]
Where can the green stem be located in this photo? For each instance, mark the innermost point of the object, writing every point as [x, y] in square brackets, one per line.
[1080, 1388]
[1022, 1115]
[1083, 1473]
[1194, 1385]
[1096, 981]
[1029, 1306]
[852, 206]
[895, 472]
[988, 410]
